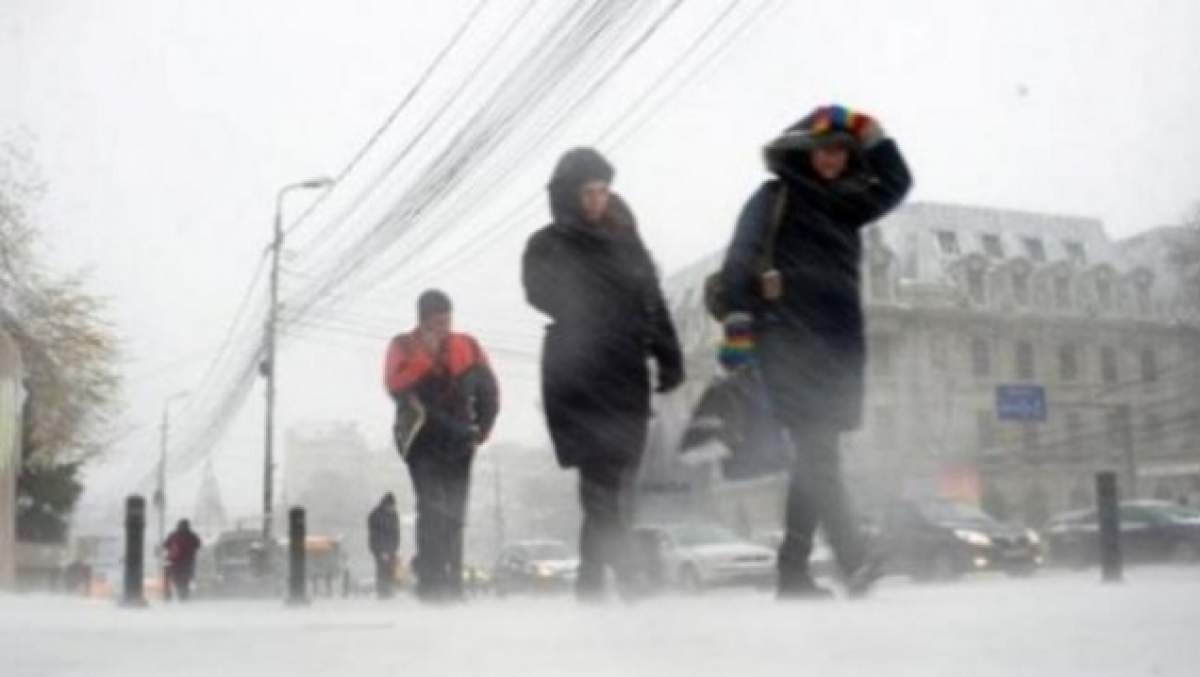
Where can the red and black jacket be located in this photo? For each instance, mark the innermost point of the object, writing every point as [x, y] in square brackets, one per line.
[457, 386]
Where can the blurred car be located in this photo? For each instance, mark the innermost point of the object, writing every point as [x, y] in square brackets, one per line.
[1151, 531]
[937, 539]
[534, 566]
[693, 557]
[820, 562]
[242, 564]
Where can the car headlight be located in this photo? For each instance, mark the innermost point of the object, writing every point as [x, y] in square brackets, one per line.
[973, 537]
[1033, 536]
[542, 571]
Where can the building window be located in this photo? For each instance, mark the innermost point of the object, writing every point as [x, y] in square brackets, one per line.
[992, 246]
[985, 426]
[1104, 293]
[1062, 293]
[1030, 440]
[879, 355]
[1020, 282]
[948, 242]
[1034, 249]
[1025, 361]
[1068, 362]
[1143, 298]
[884, 427]
[880, 287]
[981, 358]
[1113, 427]
[975, 287]
[1075, 252]
[1108, 364]
[1154, 432]
[1149, 363]
[1074, 432]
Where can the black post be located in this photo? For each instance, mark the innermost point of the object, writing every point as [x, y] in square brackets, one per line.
[135, 533]
[1110, 526]
[296, 565]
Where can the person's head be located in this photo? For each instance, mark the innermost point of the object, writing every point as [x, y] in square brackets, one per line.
[579, 188]
[388, 500]
[814, 147]
[183, 525]
[434, 313]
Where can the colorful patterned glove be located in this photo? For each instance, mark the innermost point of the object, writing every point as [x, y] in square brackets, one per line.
[737, 350]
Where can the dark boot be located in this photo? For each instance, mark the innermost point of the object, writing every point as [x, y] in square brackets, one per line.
[860, 581]
[800, 586]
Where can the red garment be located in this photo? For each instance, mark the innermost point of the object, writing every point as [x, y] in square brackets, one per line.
[408, 361]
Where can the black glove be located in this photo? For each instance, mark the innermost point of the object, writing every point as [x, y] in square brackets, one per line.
[669, 378]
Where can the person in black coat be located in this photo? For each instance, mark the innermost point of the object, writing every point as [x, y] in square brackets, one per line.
[383, 539]
[181, 548]
[591, 274]
[800, 316]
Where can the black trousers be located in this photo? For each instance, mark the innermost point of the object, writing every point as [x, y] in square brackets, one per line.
[605, 493]
[441, 482]
[385, 574]
[817, 497]
[179, 581]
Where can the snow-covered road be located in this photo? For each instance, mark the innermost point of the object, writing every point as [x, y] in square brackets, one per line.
[1055, 624]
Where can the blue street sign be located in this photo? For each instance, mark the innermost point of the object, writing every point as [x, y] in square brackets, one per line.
[1020, 403]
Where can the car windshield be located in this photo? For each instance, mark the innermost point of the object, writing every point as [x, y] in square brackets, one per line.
[1172, 512]
[948, 511]
[549, 550]
[702, 534]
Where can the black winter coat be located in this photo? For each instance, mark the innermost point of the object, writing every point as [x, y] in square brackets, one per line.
[383, 530]
[811, 341]
[601, 291]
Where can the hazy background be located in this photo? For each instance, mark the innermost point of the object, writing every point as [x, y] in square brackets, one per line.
[163, 130]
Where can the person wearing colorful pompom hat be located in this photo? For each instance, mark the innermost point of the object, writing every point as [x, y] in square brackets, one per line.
[799, 317]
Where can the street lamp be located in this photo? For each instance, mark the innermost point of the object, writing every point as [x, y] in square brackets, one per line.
[268, 364]
[160, 494]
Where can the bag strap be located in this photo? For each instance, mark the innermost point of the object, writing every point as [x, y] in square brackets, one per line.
[774, 226]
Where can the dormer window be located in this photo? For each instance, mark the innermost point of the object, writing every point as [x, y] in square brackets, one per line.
[1075, 252]
[948, 242]
[992, 246]
[1034, 249]
[1020, 286]
[975, 287]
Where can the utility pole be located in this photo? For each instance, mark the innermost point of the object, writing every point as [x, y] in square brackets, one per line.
[267, 367]
[498, 505]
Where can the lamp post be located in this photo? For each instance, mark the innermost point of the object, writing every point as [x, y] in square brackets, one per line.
[268, 364]
[160, 494]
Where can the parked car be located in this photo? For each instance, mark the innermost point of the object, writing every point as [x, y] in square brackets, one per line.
[1151, 531]
[694, 557]
[936, 539]
[821, 560]
[534, 566]
[242, 564]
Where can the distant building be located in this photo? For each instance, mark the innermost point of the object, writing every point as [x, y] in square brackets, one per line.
[963, 299]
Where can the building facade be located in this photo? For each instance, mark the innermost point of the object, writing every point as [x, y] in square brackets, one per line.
[961, 300]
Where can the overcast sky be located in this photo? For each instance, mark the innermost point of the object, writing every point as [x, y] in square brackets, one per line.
[163, 129]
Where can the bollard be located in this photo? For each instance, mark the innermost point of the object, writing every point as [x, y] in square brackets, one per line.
[297, 575]
[1108, 514]
[135, 532]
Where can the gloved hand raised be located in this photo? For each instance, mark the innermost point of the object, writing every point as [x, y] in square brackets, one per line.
[737, 350]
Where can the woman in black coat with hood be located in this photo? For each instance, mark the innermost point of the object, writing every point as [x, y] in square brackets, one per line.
[800, 317]
[591, 274]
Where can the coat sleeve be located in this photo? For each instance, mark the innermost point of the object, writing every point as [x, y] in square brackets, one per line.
[487, 393]
[541, 275]
[888, 183]
[738, 272]
[403, 367]
[663, 340]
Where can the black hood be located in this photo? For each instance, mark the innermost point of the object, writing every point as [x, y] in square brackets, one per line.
[575, 168]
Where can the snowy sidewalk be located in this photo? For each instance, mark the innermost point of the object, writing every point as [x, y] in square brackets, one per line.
[1055, 624]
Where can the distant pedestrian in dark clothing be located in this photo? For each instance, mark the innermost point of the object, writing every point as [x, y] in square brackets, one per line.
[449, 375]
[591, 274]
[181, 548]
[800, 316]
[383, 538]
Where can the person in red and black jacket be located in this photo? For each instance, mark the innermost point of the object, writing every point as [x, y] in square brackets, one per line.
[449, 375]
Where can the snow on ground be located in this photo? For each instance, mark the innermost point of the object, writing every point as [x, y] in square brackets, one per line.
[1055, 624]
